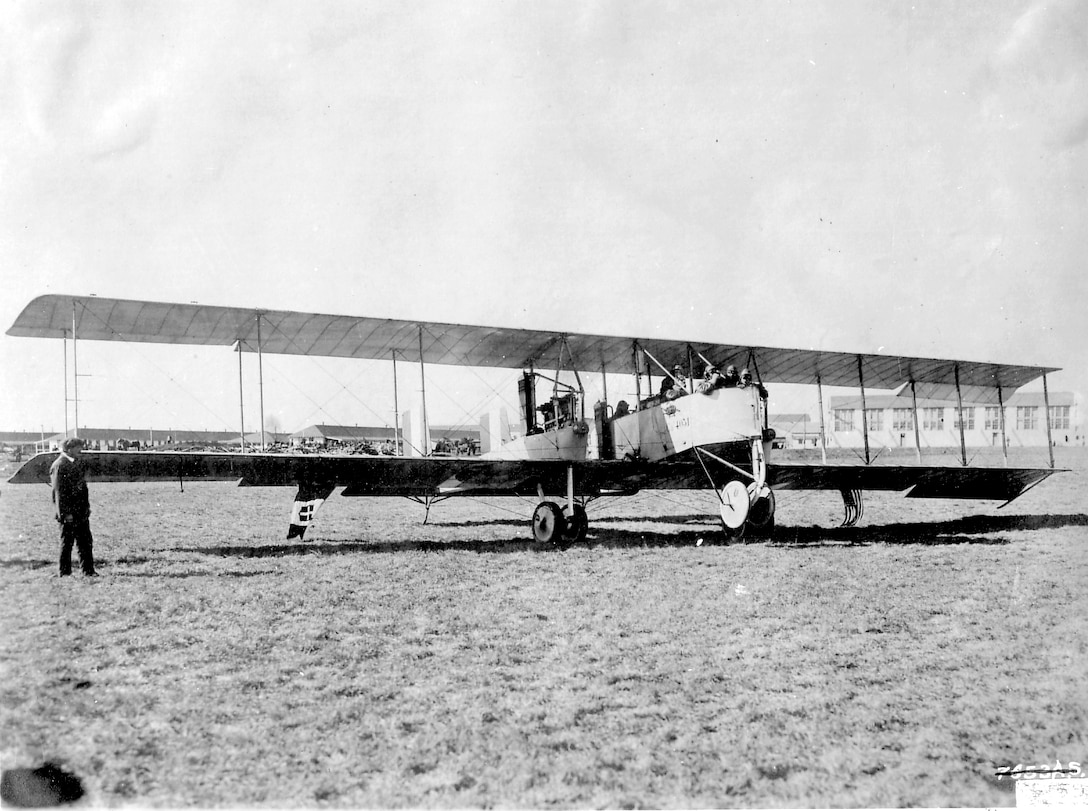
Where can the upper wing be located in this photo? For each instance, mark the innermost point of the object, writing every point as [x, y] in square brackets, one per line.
[297, 333]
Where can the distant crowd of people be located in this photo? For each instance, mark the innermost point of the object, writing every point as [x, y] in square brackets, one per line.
[465, 446]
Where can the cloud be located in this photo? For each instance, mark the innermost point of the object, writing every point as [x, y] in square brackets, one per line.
[1037, 78]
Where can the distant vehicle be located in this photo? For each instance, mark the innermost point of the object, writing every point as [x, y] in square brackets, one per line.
[713, 435]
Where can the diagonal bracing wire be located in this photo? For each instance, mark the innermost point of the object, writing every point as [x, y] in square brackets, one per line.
[143, 389]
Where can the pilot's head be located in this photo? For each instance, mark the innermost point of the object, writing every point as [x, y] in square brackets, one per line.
[730, 370]
[745, 375]
[709, 370]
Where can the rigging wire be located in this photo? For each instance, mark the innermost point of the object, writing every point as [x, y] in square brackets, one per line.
[343, 386]
[144, 390]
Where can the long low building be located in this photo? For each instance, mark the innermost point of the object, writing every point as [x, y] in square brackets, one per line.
[111, 439]
[889, 420]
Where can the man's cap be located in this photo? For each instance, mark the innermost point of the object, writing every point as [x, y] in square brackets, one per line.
[745, 373]
[731, 368]
[71, 442]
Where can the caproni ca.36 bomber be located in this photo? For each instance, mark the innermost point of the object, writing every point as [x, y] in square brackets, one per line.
[705, 427]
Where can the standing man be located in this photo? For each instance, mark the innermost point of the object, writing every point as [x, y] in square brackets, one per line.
[72, 507]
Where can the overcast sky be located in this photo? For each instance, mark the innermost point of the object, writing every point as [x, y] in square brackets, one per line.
[894, 177]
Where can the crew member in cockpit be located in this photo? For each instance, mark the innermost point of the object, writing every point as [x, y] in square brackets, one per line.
[712, 379]
[746, 381]
[679, 383]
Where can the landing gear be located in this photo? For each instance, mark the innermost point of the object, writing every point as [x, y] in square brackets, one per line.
[549, 523]
[744, 508]
[761, 511]
[577, 524]
[733, 508]
[560, 525]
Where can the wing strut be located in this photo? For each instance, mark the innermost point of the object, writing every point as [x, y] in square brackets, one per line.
[1046, 414]
[241, 401]
[260, 379]
[864, 411]
[1001, 412]
[914, 414]
[426, 444]
[959, 416]
[75, 375]
[396, 409]
[64, 349]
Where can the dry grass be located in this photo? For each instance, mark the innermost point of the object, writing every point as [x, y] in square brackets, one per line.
[390, 663]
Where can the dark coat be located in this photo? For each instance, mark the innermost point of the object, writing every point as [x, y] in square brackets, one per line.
[70, 496]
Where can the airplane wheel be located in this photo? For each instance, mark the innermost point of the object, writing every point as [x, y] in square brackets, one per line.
[761, 513]
[732, 533]
[549, 524]
[577, 525]
[734, 509]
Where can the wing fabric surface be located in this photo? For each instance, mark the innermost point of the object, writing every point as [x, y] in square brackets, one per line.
[358, 475]
[468, 476]
[297, 333]
[996, 483]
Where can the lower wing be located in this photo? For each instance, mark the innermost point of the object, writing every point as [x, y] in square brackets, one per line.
[997, 483]
[393, 476]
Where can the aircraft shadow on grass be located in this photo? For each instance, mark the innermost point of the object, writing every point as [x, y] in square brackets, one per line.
[694, 518]
[981, 530]
[975, 529]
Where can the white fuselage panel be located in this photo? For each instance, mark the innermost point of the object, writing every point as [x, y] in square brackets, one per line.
[674, 426]
[723, 415]
[568, 443]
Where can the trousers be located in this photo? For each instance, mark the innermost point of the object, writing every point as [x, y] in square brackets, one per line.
[77, 534]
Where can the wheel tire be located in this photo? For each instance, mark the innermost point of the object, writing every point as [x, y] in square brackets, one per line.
[549, 524]
[761, 514]
[577, 525]
[734, 506]
[732, 534]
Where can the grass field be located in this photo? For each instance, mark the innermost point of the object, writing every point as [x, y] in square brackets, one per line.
[387, 663]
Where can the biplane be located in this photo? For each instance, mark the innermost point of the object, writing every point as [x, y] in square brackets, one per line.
[696, 432]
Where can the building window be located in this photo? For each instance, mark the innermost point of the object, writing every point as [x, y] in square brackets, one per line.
[844, 419]
[932, 419]
[993, 418]
[874, 418]
[902, 419]
[1059, 417]
[1027, 418]
[968, 419]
